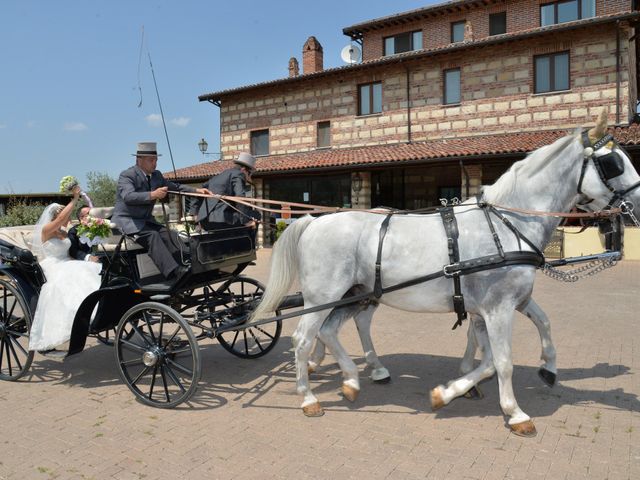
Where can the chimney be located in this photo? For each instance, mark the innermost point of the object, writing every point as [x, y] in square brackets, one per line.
[294, 68]
[311, 56]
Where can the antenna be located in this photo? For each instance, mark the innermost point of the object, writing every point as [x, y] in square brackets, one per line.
[350, 54]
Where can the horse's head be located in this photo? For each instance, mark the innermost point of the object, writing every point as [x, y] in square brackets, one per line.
[607, 178]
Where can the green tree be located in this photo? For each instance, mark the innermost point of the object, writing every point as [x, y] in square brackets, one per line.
[19, 212]
[101, 188]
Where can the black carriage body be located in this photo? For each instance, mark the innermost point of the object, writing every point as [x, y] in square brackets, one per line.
[130, 278]
[21, 268]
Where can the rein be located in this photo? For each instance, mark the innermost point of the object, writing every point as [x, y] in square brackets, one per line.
[310, 208]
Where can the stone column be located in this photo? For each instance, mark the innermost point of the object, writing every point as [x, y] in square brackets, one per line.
[258, 193]
[362, 198]
[475, 180]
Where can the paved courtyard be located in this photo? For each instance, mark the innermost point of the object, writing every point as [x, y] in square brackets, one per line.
[75, 419]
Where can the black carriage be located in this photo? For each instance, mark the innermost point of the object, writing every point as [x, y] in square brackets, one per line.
[154, 326]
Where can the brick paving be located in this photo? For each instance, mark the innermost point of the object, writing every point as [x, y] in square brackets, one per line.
[75, 419]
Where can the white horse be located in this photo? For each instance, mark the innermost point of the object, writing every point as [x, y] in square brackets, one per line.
[334, 254]
[380, 374]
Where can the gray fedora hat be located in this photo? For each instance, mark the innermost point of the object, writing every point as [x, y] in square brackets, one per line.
[246, 160]
[147, 149]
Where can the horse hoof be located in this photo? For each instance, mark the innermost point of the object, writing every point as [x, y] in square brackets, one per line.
[382, 380]
[380, 375]
[311, 369]
[313, 410]
[349, 392]
[474, 393]
[436, 399]
[547, 376]
[524, 429]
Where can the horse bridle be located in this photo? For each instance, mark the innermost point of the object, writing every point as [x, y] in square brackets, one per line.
[608, 166]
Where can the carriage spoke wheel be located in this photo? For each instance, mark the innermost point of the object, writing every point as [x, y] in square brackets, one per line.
[15, 325]
[157, 355]
[252, 342]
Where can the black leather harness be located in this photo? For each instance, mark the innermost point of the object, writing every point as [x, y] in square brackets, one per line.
[456, 268]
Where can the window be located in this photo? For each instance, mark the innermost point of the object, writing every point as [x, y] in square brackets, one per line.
[497, 23]
[457, 31]
[451, 86]
[260, 142]
[370, 98]
[404, 42]
[567, 11]
[551, 72]
[324, 134]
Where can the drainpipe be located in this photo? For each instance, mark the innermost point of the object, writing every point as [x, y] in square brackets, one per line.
[408, 109]
[617, 72]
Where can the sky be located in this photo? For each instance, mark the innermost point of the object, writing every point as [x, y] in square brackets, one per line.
[72, 77]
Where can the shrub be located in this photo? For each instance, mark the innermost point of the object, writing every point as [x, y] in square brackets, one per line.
[19, 212]
[280, 228]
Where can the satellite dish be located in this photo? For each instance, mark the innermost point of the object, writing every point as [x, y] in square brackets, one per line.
[350, 54]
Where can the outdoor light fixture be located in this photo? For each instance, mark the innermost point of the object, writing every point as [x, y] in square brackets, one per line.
[203, 145]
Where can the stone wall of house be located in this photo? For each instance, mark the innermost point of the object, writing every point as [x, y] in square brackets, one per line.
[497, 85]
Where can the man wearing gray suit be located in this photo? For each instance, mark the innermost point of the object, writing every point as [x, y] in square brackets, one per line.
[213, 214]
[138, 189]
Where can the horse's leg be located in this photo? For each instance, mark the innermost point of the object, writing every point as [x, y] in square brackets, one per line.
[328, 334]
[302, 339]
[379, 373]
[548, 370]
[317, 356]
[441, 395]
[466, 365]
[499, 329]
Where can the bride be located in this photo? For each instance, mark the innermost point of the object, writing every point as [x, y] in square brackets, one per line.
[68, 283]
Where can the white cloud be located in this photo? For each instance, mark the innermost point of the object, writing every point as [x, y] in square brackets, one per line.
[180, 121]
[154, 119]
[31, 123]
[75, 126]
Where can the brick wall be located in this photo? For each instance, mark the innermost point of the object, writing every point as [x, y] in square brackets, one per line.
[497, 97]
[521, 15]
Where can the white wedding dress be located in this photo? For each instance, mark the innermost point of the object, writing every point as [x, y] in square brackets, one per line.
[68, 283]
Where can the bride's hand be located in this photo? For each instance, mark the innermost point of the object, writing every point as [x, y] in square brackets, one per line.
[76, 192]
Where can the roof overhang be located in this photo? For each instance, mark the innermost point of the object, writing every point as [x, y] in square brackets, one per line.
[217, 97]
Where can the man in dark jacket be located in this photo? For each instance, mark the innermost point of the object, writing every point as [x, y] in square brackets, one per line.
[212, 214]
[138, 189]
[79, 250]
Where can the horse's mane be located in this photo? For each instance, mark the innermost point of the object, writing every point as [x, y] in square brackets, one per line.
[532, 164]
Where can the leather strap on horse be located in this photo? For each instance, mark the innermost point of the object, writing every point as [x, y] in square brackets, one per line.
[377, 286]
[451, 230]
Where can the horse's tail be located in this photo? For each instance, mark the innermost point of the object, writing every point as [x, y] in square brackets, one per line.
[284, 267]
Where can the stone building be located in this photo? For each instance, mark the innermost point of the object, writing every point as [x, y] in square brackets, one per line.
[445, 99]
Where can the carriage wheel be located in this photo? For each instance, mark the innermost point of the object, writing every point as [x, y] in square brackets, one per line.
[157, 355]
[15, 325]
[107, 337]
[252, 342]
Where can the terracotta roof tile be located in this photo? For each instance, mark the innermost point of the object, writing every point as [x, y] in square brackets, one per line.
[418, 152]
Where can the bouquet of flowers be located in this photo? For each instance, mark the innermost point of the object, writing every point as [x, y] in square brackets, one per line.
[93, 231]
[67, 183]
